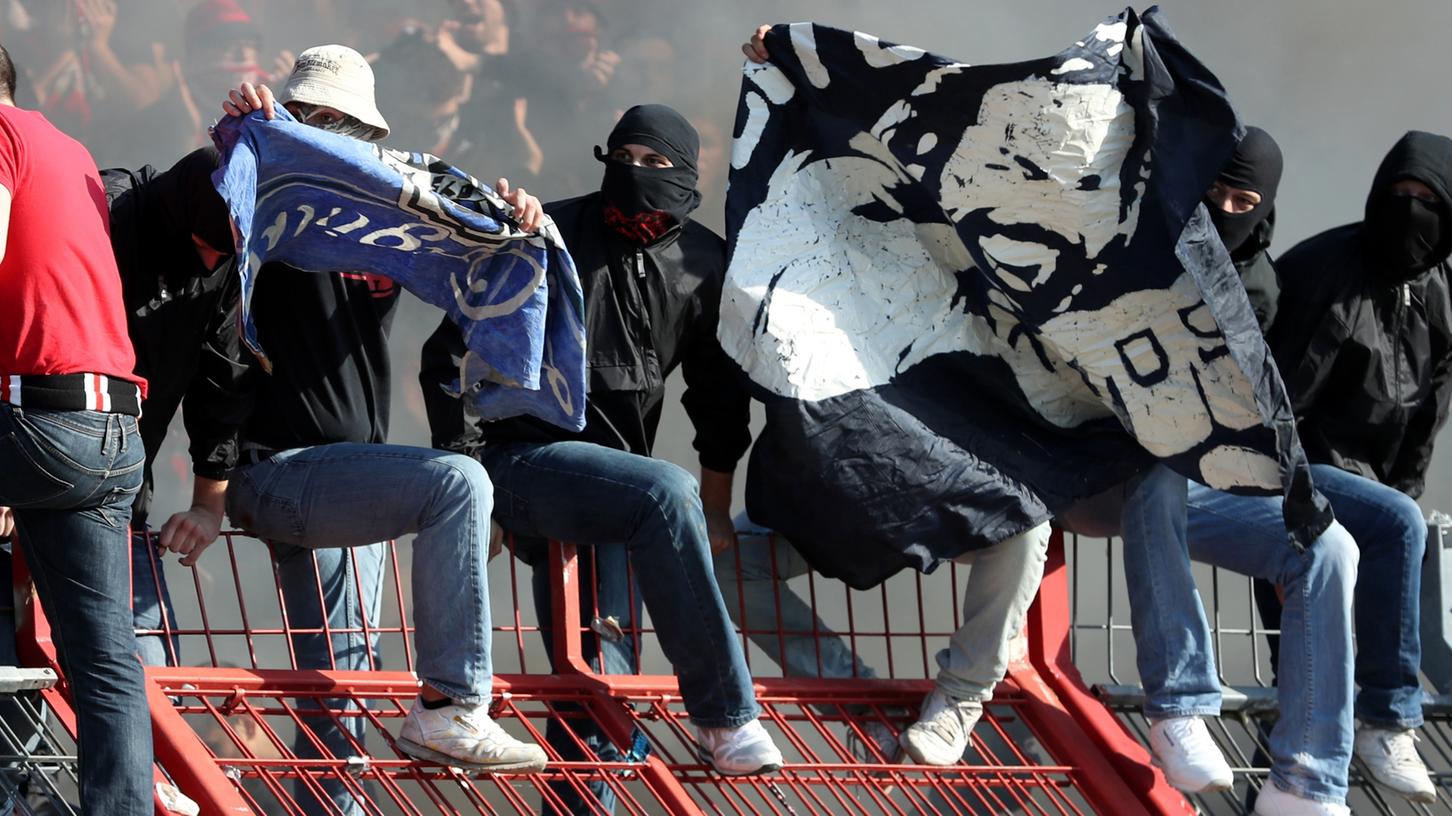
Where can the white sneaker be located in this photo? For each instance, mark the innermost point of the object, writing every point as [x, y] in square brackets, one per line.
[940, 736]
[1272, 801]
[739, 751]
[1183, 749]
[1391, 758]
[465, 736]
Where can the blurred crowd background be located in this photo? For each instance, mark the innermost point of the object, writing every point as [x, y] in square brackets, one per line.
[526, 88]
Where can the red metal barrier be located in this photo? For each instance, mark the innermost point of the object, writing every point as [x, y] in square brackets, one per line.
[225, 733]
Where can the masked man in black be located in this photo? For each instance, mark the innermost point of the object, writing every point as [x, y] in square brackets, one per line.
[652, 283]
[173, 244]
[1363, 337]
[1241, 204]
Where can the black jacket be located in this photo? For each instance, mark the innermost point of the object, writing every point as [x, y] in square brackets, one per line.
[1258, 273]
[327, 338]
[182, 320]
[1367, 358]
[647, 310]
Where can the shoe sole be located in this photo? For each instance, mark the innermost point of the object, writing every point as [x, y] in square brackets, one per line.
[919, 759]
[1212, 787]
[1417, 798]
[705, 756]
[417, 751]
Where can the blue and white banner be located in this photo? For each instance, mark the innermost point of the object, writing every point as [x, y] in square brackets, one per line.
[970, 295]
[321, 202]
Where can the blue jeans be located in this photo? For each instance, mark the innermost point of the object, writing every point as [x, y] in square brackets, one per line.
[151, 607]
[609, 612]
[591, 495]
[1389, 528]
[338, 590]
[333, 503]
[1166, 523]
[70, 477]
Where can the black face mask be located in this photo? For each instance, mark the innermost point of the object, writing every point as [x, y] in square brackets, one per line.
[1235, 228]
[1404, 234]
[635, 190]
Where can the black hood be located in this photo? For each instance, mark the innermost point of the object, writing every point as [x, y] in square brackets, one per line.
[635, 190]
[183, 200]
[1256, 166]
[1425, 157]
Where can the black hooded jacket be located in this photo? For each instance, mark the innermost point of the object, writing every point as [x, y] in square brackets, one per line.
[1366, 347]
[648, 309]
[182, 318]
[1258, 273]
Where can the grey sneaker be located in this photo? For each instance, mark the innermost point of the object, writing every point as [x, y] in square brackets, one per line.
[464, 736]
[940, 736]
[878, 735]
[1391, 757]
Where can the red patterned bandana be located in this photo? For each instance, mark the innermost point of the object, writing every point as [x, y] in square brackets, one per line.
[643, 228]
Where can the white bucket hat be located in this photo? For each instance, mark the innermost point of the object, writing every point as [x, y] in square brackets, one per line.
[339, 77]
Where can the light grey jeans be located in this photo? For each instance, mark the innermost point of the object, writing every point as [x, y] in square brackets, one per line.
[1002, 581]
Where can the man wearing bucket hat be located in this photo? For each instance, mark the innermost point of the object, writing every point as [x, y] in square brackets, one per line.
[318, 482]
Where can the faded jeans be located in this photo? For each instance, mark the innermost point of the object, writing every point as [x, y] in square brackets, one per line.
[1166, 524]
[1002, 582]
[151, 607]
[592, 495]
[70, 477]
[335, 501]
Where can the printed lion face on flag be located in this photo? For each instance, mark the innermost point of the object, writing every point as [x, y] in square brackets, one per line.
[971, 295]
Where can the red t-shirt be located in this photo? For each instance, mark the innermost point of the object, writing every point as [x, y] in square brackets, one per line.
[61, 310]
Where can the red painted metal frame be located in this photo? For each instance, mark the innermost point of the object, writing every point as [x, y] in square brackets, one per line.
[1128, 779]
[1092, 752]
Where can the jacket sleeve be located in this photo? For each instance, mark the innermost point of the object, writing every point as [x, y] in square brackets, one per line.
[1409, 473]
[450, 428]
[716, 399]
[219, 398]
[1305, 338]
[1263, 290]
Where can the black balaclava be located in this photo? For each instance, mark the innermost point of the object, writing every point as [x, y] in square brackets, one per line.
[640, 190]
[1255, 165]
[187, 202]
[1405, 236]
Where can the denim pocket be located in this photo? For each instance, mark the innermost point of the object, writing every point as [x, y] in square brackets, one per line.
[24, 482]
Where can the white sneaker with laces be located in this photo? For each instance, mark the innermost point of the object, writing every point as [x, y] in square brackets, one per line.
[1272, 801]
[1183, 749]
[940, 736]
[464, 736]
[1391, 757]
[739, 751]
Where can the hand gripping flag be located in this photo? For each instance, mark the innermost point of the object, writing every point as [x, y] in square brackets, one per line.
[321, 202]
[969, 296]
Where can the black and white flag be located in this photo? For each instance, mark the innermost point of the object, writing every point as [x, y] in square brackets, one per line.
[969, 295]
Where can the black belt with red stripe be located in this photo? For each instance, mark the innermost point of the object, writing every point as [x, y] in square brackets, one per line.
[71, 392]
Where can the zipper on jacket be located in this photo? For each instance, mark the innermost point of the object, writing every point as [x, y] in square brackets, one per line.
[1403, 302]
[639, 263]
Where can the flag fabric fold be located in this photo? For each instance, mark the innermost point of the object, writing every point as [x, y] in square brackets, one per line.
[972, 295]
[321, 202]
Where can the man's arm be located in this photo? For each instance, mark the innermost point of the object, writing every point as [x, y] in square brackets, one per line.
[217, 403]
[192, 531]
[716, 506]
[717, 402]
